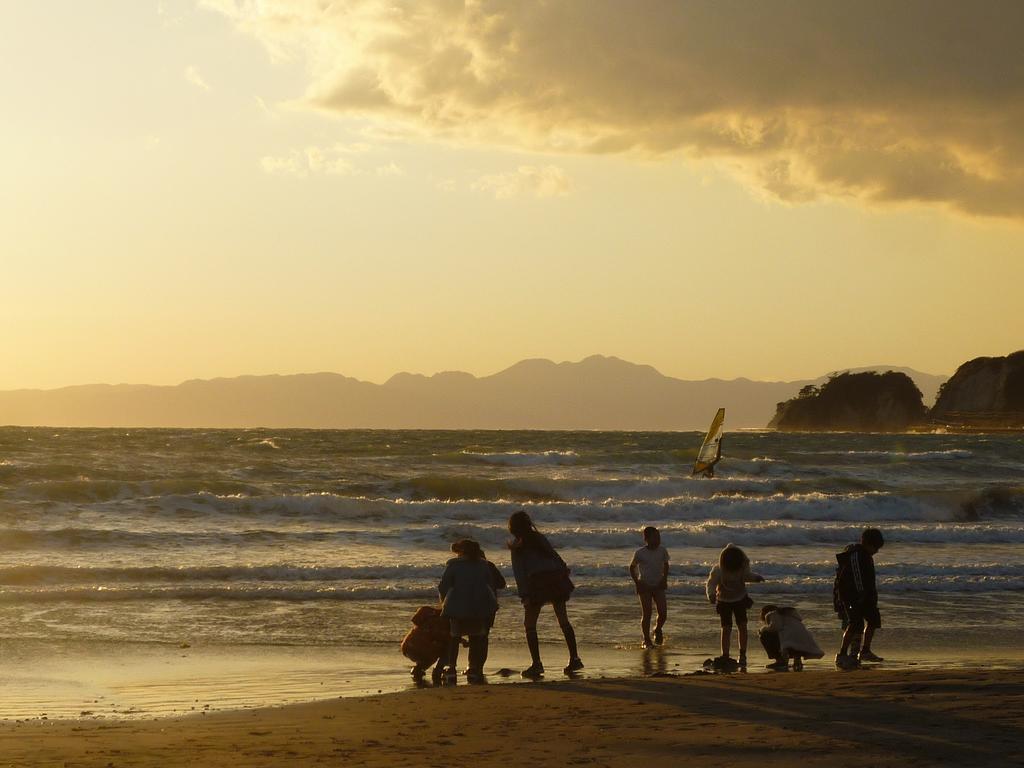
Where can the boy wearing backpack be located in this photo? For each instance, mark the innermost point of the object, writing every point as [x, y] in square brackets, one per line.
[855, 598]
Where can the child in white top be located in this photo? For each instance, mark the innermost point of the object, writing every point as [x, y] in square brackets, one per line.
[649, 570]
[727, 591]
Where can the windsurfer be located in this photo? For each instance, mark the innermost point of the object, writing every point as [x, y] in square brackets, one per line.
[709, 470]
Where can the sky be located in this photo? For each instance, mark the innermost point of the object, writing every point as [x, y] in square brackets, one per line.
[717, 189]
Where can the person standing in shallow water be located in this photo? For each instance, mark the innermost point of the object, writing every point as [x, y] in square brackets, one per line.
[542, 577]
[855, 597]
[649, 571]
[468, 592]
[727, 591]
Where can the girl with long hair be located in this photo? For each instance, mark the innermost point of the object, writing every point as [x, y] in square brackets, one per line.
[542, 577]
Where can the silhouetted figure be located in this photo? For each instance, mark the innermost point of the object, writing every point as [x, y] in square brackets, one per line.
[855, 598]
[427, 642]
[542, 577]
[727, 591]
[649, 569]
[785, 637]
[709, 470]
[468, 591]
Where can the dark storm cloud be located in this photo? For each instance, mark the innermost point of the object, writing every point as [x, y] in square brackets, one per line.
[886, 102]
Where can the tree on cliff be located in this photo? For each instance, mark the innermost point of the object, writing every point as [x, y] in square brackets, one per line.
[870, 401]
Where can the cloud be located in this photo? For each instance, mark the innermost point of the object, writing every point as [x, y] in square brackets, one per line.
[288, 165]
[309, 161]
[337, 159]
[327, 161]
[391, 169]
[546, 181]
[917, 101]
[193, 76]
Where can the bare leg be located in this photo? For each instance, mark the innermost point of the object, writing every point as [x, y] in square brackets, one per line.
[530, 613]
[742, 630]
[645, 614]
[662, 603]
[567, 631]
[726, 636]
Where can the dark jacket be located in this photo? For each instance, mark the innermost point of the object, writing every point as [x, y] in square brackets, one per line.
[468, 589]
[533, 554]
[855, 578]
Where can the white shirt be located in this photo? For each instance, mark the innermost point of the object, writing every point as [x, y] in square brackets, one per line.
[651, 563]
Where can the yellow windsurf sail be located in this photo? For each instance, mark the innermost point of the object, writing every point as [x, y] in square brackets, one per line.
[711, 449]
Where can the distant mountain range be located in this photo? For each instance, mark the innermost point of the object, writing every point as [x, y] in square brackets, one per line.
[595, 393]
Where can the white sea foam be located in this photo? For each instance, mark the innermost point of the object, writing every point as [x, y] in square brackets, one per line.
[586, 586]
[217, 533]
[715, 534]
[241, 592]
[737, 505]
[949, 454]
[427, 575]
[28, 575]
[525, 459]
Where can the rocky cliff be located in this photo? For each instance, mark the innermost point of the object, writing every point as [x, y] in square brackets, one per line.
[863, 402]
[984, 392]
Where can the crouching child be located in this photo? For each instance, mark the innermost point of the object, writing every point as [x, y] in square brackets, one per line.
[427, 641]
[785, 637]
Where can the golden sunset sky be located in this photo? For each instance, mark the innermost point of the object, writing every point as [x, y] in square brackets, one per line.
[771, 190]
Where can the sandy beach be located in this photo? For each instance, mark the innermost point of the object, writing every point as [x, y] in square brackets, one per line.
[156, 622]
[507, 383]
[871, 717]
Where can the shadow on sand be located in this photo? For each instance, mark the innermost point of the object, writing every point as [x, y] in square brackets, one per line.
[940, 733]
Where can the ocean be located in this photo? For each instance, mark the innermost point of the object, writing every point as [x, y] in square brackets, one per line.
[303, 542]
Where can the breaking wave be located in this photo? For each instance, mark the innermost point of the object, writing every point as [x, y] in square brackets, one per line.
[329, 529]
[524, 459]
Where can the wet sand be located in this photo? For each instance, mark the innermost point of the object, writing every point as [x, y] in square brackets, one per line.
[141, 681]
[869, 717]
